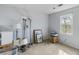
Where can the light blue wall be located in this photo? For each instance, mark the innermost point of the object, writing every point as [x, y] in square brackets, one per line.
[10, 15]
[54, 25]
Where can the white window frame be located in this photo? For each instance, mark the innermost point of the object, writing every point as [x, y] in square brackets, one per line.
[62, 18]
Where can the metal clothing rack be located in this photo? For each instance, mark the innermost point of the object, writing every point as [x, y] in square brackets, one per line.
[24, 28]
[30, 31]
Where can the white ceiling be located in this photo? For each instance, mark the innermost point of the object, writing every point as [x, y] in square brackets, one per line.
[45, 8]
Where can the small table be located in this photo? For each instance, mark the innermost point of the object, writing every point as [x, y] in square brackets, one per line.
[54, 39]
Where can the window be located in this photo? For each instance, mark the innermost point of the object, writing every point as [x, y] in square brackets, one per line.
[66, 22]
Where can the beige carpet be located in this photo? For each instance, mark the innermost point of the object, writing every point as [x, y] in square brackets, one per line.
[48, 49]
[51, 49]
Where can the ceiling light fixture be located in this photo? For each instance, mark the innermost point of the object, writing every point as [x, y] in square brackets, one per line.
[54, 8]
[60, 5]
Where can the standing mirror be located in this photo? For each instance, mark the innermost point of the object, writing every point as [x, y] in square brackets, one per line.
[38, 36]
